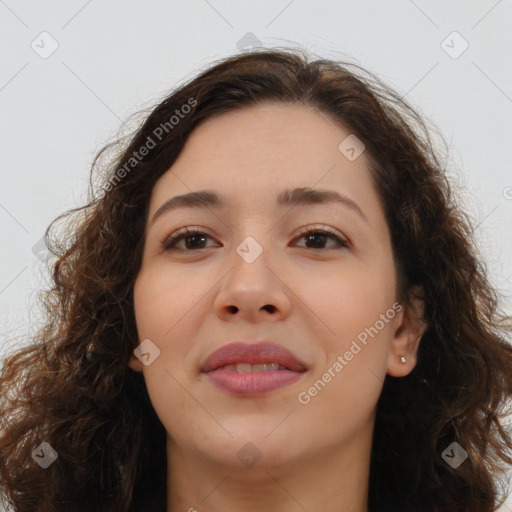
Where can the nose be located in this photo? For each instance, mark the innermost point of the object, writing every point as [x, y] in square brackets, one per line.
[253, 292]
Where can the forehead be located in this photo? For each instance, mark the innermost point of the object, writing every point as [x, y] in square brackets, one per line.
[270, 146]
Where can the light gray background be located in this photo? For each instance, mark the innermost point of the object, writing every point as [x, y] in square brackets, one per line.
[115, 57]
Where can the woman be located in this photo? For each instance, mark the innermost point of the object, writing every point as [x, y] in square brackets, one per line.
[273, 304]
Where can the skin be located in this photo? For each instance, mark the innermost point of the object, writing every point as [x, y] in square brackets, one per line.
[314, 456]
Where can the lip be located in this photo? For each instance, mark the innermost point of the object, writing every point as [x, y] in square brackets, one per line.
[252, 353]
[251, 384]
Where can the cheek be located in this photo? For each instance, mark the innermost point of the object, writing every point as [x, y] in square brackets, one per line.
[161, 298]
[159, 312]
[348, 299]
[170, 308]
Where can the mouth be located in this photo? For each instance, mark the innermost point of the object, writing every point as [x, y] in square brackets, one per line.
[254, 368]
[251, 369]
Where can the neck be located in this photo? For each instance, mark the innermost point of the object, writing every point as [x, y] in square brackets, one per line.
[332, 480]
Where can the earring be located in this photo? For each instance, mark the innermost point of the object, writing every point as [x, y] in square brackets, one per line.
[89, 353]
[402, 359]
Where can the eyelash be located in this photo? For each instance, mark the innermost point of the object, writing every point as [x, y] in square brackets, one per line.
[184, 233]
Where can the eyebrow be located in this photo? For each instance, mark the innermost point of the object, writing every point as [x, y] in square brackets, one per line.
[302, 196]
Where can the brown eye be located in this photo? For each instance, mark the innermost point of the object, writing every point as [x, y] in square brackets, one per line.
[196, 237]
[319, 236]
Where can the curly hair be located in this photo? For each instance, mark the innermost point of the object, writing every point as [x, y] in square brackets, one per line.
[72, 387]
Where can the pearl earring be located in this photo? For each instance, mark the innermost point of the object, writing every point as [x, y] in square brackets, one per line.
[402, 359]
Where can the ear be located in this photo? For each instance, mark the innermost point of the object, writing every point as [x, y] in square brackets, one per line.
[409, 329]
[135, 363]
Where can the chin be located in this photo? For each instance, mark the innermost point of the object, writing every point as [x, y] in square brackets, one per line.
[250, 448]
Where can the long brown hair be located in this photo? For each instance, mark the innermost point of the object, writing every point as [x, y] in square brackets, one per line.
[71, 387]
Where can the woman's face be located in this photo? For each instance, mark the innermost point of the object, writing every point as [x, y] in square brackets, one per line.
[254, 274]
